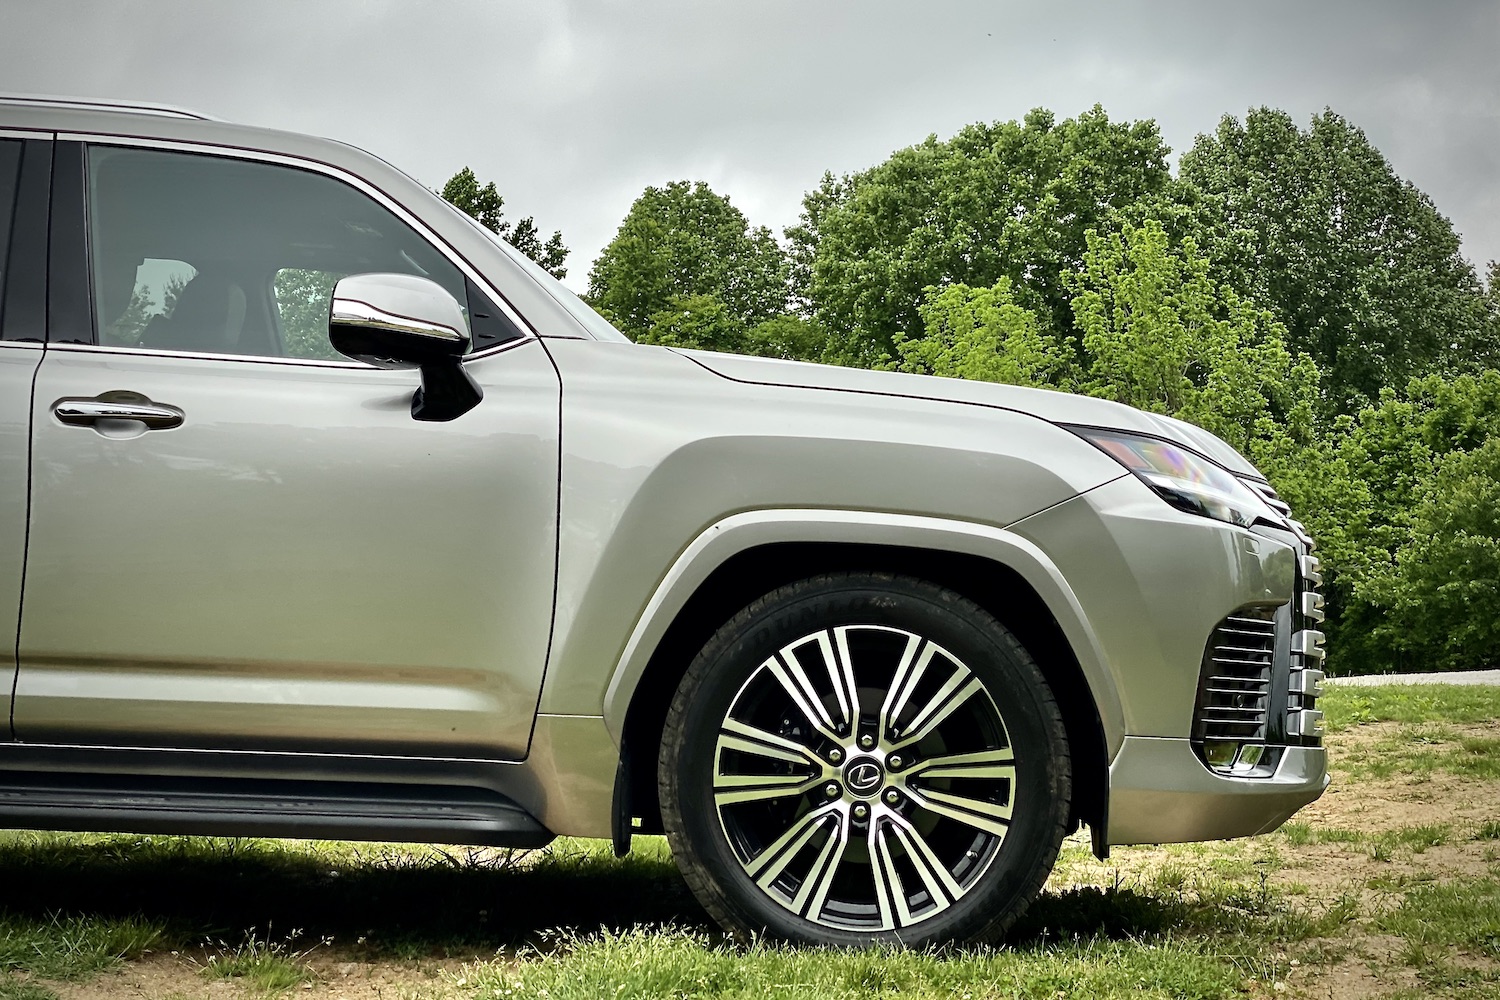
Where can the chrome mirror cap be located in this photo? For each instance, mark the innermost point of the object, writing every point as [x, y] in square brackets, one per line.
[396, 320]
[403, 321]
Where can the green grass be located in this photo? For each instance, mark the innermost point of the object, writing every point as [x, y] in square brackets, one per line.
[1381, 843]
[1426, 741]
[1198, 921]
[1413, 704]
[673, 963]
[1447, 915]
[270, 966]
[390, 902]
[1451, 932]
[65, 948]
[12, 987]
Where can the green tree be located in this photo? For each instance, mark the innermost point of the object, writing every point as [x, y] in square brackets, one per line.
[679, 246]
[788, 336]
[1364, 271]
[1386, 494]
[1444, 593]
[982, 334]
[1005, 200]
[701, 322]
[484, 204]
[1158, 332]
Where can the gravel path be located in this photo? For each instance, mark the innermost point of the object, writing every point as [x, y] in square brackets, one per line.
[1452, 677]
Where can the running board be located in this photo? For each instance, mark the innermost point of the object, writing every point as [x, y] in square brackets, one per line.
[311, 810]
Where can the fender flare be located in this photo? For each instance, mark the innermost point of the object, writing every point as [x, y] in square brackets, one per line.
[752, 529]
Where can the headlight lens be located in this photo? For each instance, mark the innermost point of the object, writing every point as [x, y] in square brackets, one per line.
[1184, 479]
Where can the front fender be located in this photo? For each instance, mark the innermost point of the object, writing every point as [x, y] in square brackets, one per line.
[752, 529]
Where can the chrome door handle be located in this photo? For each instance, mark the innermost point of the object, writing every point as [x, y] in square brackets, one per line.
[85, 412]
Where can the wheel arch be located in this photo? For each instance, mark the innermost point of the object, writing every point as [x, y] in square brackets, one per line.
[746, 556]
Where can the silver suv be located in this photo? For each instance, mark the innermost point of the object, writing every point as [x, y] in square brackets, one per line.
[324, 513]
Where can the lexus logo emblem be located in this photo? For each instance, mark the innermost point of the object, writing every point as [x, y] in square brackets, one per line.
[864, 776]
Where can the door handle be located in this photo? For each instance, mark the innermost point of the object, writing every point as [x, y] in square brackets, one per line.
[117, 405]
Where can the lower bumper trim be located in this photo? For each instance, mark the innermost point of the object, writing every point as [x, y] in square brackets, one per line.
[1160, 793]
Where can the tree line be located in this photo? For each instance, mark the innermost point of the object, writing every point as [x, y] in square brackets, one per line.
[1283, 288]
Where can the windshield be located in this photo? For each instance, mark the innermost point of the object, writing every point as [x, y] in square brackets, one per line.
[598, 327]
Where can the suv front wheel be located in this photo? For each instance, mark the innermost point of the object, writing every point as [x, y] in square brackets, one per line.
[863, 757]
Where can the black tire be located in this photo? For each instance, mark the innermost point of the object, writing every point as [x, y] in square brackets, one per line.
[732, 747]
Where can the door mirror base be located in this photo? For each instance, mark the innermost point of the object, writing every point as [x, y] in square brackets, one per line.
[447, 391]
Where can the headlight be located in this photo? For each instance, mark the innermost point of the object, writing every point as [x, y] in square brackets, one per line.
[1183, 478]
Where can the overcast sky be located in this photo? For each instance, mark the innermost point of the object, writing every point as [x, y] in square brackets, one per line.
[573, 106]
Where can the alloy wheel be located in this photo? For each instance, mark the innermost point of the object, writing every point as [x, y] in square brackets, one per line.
[864, 778]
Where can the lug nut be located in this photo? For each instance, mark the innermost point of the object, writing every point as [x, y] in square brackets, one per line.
[835, 755]
[867, 741]
[893, 796]
[861, 811]
[832, 788]
[894, 761]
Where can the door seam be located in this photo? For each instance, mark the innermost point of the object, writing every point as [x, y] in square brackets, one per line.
[15, 679]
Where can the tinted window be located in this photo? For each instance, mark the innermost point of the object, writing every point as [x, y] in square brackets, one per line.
[10, 171]
[226, 256]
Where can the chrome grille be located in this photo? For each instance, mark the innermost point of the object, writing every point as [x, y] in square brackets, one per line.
[1263, 672]
[1304, 722]
[1234, 701]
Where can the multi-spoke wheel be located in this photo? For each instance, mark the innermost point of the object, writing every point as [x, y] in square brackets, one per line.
[863, 757]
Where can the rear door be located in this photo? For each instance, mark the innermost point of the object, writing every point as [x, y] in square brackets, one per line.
[286, 560]
[25, 170]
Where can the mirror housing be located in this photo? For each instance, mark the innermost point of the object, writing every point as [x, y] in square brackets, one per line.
[406, 321]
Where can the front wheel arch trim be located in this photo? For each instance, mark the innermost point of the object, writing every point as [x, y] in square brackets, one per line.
[823, 540]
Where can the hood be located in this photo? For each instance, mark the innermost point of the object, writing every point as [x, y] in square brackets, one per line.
[1047, 404]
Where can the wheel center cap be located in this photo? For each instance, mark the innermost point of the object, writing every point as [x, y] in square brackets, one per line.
[864, 776]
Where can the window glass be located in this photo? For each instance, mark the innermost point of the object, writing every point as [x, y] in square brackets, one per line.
[10, 171]
[580, 310]
[226, 256]
[302, 298]
[157, 286]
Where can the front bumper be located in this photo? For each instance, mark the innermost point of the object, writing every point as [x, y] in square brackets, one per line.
[1161, 793]
[1159, 588]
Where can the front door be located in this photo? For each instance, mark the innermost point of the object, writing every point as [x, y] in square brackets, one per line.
[275, 555]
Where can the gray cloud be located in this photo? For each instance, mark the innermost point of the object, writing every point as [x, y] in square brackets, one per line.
[573, 107]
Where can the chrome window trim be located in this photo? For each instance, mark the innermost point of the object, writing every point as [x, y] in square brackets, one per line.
[419, 225]
[23, 343]
[20, 133]
[251, 358]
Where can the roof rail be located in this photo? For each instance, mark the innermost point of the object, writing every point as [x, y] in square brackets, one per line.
[99, 104]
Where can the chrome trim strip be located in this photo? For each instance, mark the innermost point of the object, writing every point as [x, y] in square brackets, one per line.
[209, 751]
[253, 358]
[21, 133]
[338, 173]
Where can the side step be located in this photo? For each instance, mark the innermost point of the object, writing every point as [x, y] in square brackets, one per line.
[312, 810]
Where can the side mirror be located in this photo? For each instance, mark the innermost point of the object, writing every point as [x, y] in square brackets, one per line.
[404, 321]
